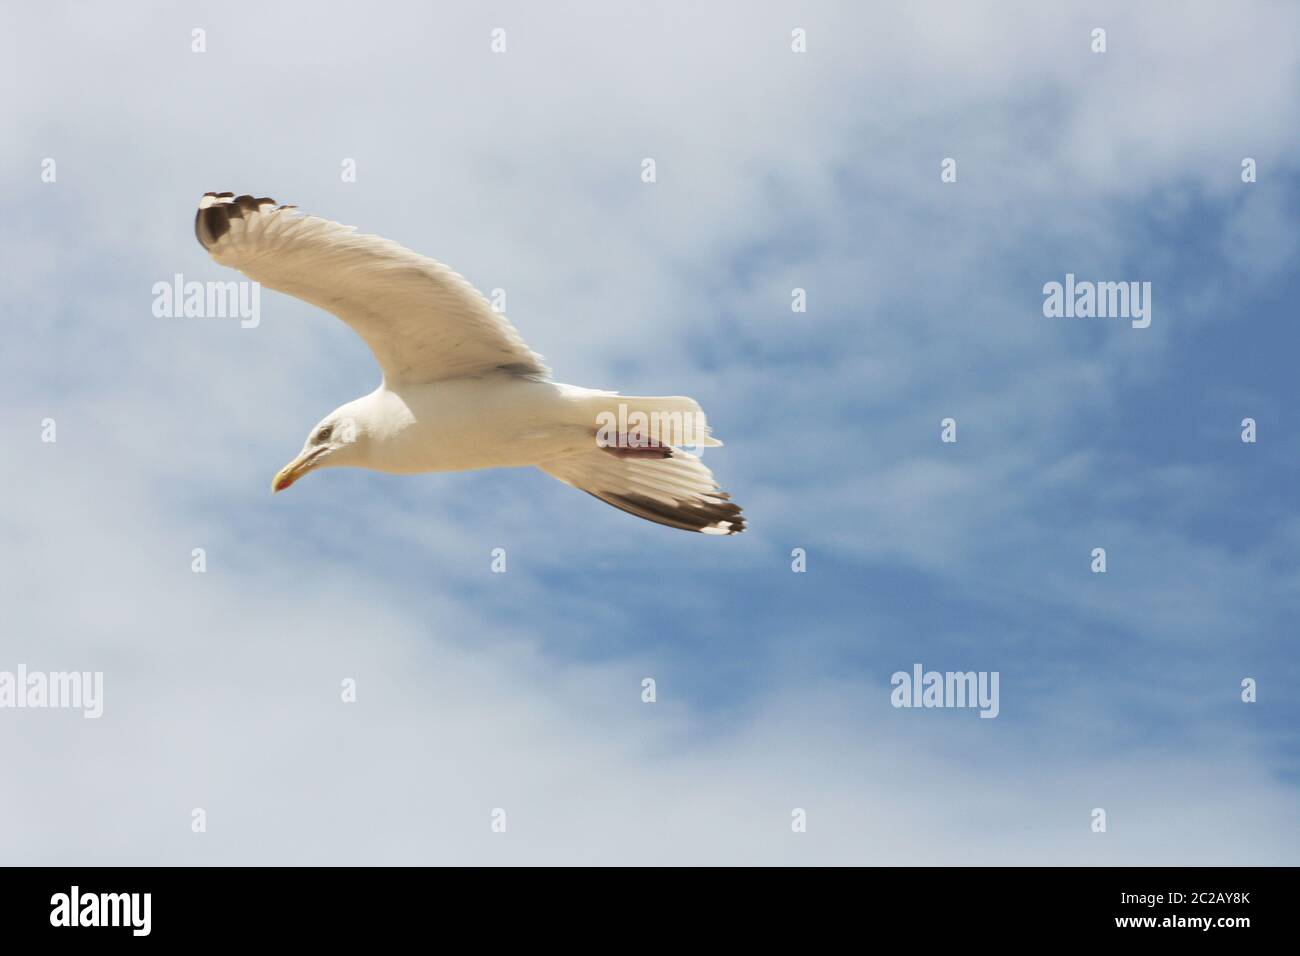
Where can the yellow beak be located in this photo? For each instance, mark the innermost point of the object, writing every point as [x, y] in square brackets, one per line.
[294, 470]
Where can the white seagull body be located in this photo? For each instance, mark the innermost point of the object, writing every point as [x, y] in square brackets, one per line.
[460, 388]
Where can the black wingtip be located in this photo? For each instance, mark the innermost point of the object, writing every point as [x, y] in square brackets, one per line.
[212, 221]
[211, 224]
[710, 517]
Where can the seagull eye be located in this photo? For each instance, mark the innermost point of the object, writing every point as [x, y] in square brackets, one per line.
[324, 434]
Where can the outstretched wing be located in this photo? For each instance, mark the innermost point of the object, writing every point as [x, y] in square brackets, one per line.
[422, 321]
[665, 485]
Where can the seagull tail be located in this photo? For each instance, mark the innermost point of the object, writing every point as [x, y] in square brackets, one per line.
[670, 420]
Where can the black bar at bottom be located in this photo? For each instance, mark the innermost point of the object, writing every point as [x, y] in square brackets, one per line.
[656, 906]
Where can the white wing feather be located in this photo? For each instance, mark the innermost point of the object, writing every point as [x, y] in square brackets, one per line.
[667, 486]
[422, 321]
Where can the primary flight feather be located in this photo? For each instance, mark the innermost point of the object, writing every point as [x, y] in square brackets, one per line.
[460, 389]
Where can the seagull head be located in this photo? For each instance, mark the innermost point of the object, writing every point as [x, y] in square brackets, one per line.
[332, 442]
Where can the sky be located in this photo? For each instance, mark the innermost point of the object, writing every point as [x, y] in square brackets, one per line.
[499, 717]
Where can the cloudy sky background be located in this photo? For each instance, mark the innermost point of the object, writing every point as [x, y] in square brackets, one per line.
[775, 170]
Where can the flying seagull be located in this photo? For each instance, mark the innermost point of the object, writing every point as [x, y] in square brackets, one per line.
[460, 389]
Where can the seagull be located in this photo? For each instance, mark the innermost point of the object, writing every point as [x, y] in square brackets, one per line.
[460, 389]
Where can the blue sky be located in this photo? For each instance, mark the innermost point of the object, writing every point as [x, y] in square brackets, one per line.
[776, 170]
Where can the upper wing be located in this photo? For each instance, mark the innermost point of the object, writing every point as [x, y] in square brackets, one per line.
[422, 320]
